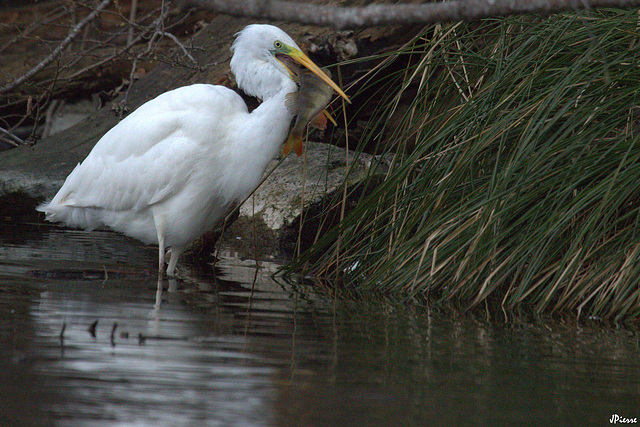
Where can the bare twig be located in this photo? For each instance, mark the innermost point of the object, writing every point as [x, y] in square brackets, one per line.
[10, 138]
[180, 45]
[157, 25]
[384, 14]
[56, 15]
[56, 52]
[142, 33]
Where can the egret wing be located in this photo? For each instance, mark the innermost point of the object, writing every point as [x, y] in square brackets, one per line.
[152, 154]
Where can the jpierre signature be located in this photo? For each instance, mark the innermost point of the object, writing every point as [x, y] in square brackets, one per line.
[615, 419]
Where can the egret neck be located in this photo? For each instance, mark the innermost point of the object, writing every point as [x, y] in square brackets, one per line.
[250, 153]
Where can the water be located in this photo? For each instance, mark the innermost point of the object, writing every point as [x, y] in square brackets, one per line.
[237, 348]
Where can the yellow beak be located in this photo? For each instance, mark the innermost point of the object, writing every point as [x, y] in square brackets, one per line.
[302, 59]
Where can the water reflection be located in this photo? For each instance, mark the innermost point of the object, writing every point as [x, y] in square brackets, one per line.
[239, 348]
[164, 364]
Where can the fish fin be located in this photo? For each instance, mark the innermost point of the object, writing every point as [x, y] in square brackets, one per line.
[291, 102]
[294, 142]
[319, 121]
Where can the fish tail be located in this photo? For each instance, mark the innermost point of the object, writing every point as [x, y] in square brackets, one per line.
[294, 141]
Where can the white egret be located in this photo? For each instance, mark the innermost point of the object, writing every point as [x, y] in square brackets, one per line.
[172, 169]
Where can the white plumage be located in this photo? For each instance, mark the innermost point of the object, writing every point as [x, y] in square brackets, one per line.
[170, 170]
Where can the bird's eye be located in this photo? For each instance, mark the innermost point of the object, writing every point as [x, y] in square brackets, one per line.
[277, 44]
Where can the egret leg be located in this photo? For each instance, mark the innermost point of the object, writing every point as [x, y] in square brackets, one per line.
[161, 263]
[175, 254]
[161, 253]
[160, 228]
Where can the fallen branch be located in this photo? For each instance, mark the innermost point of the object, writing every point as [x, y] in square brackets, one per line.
[386, 14]
[56, 52]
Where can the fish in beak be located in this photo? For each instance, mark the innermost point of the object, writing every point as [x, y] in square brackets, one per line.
[315, 90]
[298, 57]
[308, 105]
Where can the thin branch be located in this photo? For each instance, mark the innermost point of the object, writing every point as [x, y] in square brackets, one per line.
[180, 45]
[56, 15]
[387, 14]
[143, 33]
[7, 136]
[56, 52]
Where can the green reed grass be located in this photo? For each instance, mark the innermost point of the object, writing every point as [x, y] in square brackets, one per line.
[515, 172]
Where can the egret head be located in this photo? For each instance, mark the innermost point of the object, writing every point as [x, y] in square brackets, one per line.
[264, 58]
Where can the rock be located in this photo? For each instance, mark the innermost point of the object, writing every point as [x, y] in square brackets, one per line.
[304, 181]
[63, 115]
[294, 191]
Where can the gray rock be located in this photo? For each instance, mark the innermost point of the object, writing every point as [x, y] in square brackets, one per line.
[295, 183]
